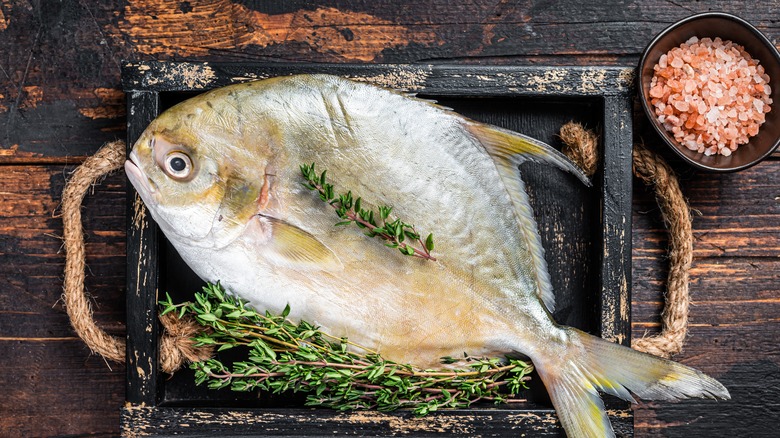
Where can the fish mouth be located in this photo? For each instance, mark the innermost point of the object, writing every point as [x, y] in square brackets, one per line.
[145, 186]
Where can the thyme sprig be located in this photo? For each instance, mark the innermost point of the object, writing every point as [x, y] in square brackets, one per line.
[394, 232]
[285, 356]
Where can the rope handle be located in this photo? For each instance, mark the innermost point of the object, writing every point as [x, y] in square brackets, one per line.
[177, 347]
[581, 146]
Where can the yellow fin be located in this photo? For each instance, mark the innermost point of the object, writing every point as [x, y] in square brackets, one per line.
[586, 365]
[297, 248]
[510, 147]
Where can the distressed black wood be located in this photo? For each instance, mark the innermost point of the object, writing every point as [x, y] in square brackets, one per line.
[142, 270]
[433, 79]
[616, 230]
[60, 100]
[588, 246]
[198, 422]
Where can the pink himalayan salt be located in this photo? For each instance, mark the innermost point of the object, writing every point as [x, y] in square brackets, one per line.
[710, 94]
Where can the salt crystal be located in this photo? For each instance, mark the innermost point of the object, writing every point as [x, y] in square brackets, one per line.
[713, 114]
[683, 106]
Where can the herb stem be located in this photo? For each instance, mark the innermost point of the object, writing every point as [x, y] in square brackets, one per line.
[403, 247]
[393, 232]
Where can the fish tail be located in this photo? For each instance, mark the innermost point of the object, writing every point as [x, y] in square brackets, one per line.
[590, 364]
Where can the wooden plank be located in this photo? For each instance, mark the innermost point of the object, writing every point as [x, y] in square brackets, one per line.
[734, 315]
[31, 257]
[45, 366]
[150, 421]
[733, 214]
[55, 388]
[616, 226]
[432, 79]
[142, 271]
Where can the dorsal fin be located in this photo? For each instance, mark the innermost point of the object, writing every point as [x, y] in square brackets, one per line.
[508, 150]
[506, 145]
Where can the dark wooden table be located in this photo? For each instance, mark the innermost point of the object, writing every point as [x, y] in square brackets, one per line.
[60, 99]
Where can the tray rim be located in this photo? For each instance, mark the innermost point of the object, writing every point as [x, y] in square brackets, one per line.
[144, 81]
[579, 81]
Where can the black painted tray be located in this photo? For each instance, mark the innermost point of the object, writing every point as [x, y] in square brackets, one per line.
[586, 233]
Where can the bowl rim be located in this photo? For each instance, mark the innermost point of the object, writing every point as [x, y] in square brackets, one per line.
[646, 104]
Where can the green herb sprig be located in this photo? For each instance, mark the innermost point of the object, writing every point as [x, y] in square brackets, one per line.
[394, 232]
[285, 356]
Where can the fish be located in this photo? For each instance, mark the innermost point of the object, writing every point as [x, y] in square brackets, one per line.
[220, 175]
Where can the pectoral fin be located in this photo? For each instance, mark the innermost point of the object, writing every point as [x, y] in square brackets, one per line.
[294, 247]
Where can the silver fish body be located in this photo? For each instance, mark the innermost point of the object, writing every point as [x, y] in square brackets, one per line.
[220, 174]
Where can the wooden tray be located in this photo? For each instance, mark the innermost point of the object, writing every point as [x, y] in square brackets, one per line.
[586, 233]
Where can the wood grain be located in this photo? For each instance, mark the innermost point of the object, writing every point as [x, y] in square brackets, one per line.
[141, 420]
[735, 311]
[51, 384]
[56, 99]
[59, 101]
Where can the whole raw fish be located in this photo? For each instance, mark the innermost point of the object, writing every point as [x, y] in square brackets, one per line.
[220, 174]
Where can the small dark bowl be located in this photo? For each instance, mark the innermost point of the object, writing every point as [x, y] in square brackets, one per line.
[727, 27]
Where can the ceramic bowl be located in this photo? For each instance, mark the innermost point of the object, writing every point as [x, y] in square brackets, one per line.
[739, 31]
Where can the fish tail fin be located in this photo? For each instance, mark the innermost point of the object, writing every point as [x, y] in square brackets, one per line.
[590, 364]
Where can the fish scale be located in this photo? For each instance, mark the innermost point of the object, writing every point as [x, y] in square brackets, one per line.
[274, 244]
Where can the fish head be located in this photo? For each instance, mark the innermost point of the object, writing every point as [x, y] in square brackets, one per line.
[199, 177]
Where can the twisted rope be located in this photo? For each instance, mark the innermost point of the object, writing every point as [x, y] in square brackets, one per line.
[581, 147]
[653, 170]
[177, 347]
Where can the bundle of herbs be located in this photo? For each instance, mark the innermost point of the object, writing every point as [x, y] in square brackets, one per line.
[282, 356]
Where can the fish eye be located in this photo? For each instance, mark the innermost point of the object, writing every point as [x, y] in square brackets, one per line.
[178, 165]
